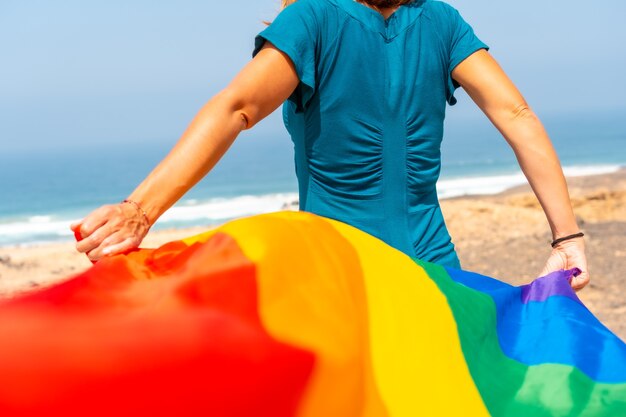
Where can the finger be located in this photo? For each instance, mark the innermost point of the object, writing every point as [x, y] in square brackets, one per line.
[94, 240]
[95, 221]
[75, 225]
[554, 263]
[112, 245]
[579, 282]
[90, 226]
[128, 244]
[97, 253]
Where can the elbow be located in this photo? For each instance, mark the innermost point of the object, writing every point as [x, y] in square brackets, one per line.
[238, 108]
[520, 126]
[521, 111]
[243, 118]
[517, 120]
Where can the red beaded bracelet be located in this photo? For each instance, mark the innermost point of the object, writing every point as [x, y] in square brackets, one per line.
[141, 210]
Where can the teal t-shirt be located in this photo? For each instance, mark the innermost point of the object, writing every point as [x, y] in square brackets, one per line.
[367, 117]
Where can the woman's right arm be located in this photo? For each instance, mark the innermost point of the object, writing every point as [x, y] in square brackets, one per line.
[266, 82]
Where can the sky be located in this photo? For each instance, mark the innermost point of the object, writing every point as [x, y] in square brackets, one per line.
[75, 73]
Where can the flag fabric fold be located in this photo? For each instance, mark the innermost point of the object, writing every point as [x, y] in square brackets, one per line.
[291, 314]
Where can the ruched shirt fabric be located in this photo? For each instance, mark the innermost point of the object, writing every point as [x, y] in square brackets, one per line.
[367, 117]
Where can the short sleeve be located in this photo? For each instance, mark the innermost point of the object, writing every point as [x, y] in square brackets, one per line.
[463, 43]
[295, 32]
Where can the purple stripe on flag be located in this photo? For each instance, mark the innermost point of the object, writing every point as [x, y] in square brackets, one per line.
[555, 283]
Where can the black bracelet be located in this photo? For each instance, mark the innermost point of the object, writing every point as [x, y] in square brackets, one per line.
[562, 239]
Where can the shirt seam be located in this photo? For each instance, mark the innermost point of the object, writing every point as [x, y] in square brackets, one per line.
[340, 29]
[351, 16]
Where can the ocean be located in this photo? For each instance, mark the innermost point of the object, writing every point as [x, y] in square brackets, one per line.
[43, 191]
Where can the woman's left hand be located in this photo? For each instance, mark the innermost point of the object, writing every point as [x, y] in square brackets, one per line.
[568, 255]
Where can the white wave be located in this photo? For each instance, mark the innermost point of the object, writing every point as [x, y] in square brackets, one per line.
[36, 225]
[585, 170]
[493, 184]
[39, 228]
[478, 185]
[46, 228]
[221, 209]
[40, 219]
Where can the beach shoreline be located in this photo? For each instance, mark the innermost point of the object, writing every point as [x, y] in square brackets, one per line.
[503, 235]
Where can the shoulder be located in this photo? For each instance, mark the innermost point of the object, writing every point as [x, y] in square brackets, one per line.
[311, 6]
[444, 19]
[316, 17]
[308, 12]
[439, 11]
[437, 6]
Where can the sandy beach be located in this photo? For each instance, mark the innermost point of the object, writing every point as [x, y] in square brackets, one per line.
[504, 236]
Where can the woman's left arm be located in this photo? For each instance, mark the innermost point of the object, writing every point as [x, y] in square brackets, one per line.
[496, 95]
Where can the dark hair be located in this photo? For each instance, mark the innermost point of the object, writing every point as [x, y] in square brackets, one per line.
[386, 3]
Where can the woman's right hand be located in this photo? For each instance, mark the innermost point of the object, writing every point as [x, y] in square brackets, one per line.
[110, 230]
[569, 254]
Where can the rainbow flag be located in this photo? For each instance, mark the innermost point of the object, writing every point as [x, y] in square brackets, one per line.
[290, 314]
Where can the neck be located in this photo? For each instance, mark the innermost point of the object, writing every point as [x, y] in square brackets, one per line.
[385, 11]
